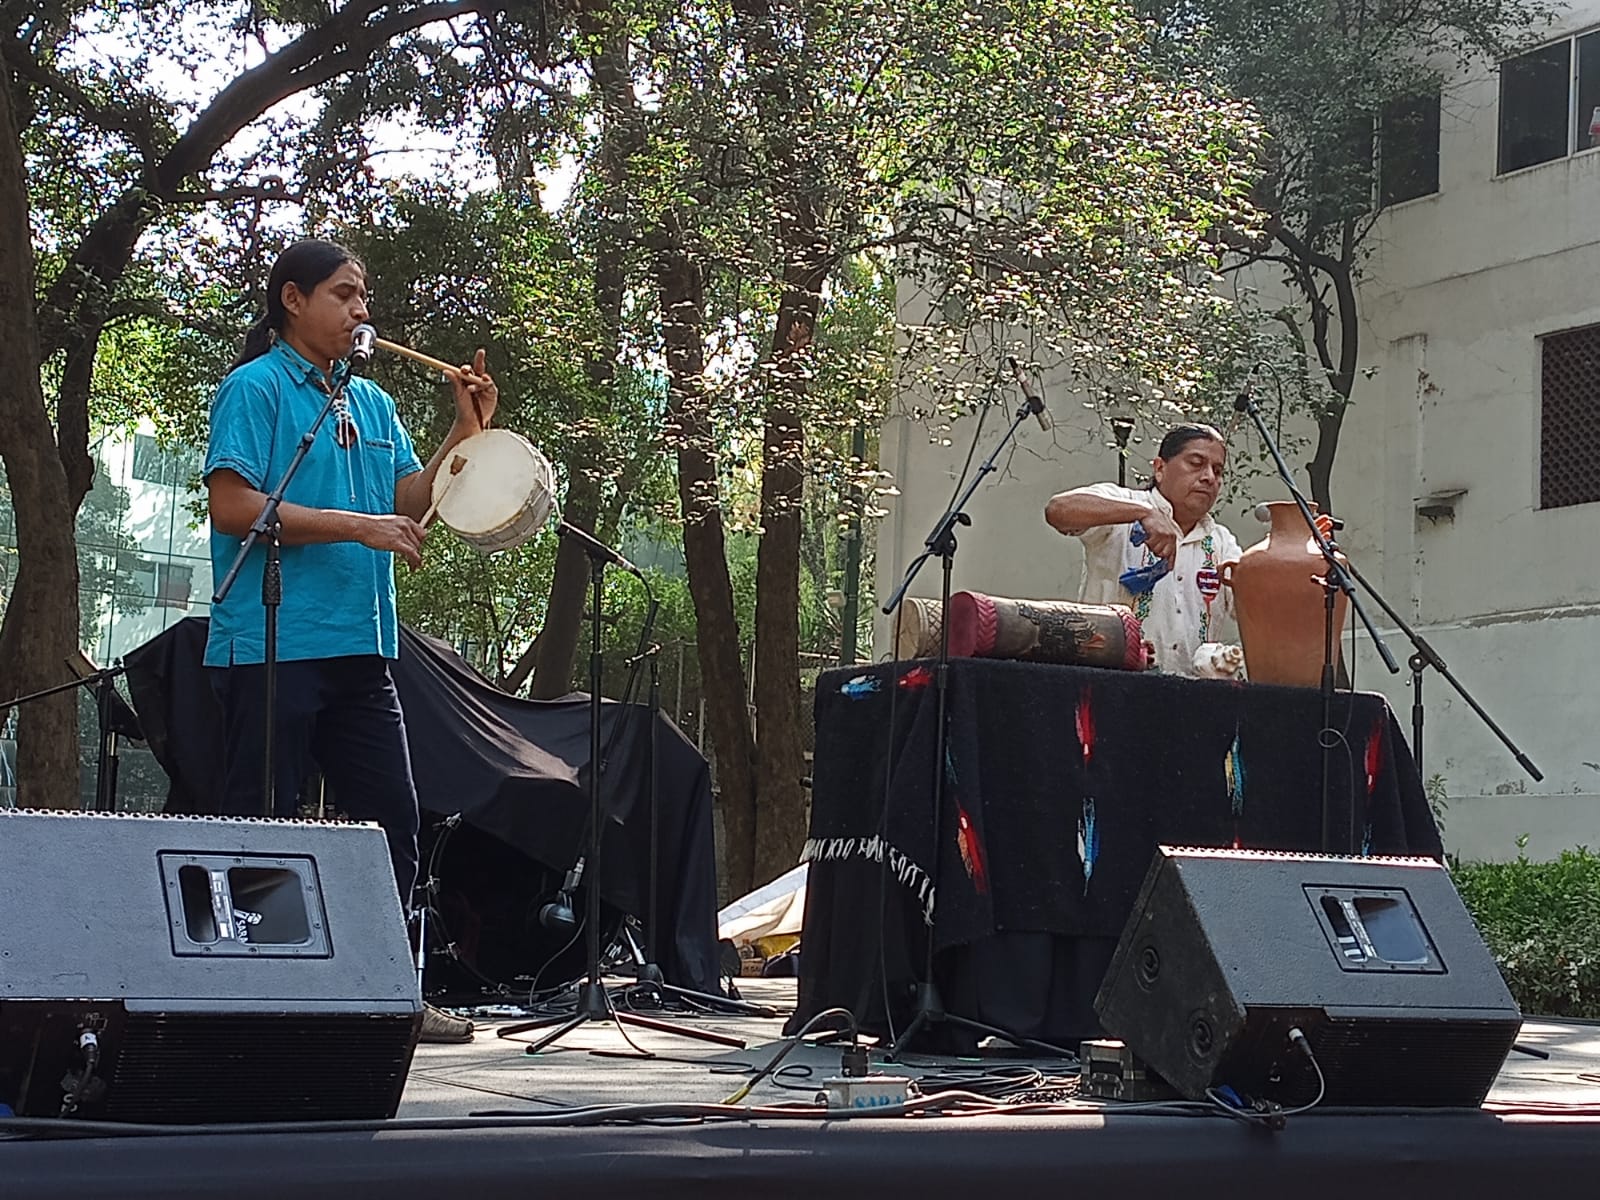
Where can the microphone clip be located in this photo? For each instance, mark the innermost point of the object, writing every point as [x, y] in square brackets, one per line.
[1030, 394]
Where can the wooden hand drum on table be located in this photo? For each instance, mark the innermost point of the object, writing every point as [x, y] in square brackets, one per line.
[1055, 631]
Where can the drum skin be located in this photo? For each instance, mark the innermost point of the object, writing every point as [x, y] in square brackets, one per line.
[501, 497]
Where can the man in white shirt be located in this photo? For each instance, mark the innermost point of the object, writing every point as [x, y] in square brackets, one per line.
[1123, 531]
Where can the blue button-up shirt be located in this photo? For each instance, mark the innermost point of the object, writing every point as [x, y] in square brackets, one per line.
[338, 597]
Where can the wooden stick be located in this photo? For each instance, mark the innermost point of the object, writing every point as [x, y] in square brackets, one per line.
[425, 360]
[456, 464]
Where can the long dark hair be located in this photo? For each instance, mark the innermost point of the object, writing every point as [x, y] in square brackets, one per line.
[304, 264]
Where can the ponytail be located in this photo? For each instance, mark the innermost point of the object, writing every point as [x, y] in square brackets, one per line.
[256, 342]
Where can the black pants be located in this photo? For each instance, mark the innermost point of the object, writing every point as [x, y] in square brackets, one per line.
[342, 713]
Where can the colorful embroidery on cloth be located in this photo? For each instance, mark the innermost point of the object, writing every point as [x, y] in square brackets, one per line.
[968, 843]
[1088, 833]
[1088, 841]
[1374, 765]
[1207, 579]
[1233, 773]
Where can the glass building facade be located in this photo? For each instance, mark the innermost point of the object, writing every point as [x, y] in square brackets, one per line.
[144, 564]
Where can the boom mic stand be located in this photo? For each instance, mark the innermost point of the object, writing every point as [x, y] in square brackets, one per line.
[107, 700]
[593, 1002]
[1336, 578]
[266, 525]
[646, 967]
[1426, 656]
[930, 1009]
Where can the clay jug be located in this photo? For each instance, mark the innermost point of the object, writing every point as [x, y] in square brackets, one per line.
[1280, 604]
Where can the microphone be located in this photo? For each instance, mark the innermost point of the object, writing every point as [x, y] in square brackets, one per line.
[361, 344]
[595, 547]
[1035, 401]
[1263, 513]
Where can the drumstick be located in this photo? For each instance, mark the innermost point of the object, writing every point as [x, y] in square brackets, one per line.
[456, 464]
[424, 359]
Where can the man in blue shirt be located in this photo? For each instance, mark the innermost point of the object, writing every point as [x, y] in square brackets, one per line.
[356, 501]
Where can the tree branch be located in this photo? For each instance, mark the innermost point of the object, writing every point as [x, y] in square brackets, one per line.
[134, 124]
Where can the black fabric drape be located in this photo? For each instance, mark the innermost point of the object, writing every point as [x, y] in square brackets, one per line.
[516, 770]
[1022, 931]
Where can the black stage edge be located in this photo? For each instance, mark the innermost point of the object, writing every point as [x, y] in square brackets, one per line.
[1377, 1156]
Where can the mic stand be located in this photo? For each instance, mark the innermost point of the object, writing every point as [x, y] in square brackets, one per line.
[107, 758]
[930, 1009]
[1426, 656]
[646, 969]
[1335, 578]
[266, 525]
[593, 1002]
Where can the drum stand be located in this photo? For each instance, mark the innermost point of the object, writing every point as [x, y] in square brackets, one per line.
[930, 1009]
[1336, 579]
[593, 1002]
[266, 525]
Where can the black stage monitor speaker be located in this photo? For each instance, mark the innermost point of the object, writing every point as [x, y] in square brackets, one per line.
[201, 969]
[1375, 959]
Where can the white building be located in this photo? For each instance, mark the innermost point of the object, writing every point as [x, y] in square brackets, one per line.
[1468, 471]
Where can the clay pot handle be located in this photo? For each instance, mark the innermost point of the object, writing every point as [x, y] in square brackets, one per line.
[1225, 573]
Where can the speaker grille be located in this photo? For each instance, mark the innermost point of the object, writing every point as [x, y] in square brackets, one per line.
[186, 1068]
[1409, 1062]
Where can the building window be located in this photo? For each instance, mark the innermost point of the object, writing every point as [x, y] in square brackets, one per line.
[1408, 149]
[1569, 427]
[154, 464]
[173, 583]
[1550, 103]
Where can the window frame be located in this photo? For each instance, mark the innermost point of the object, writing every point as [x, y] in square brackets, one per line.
[1574, 83]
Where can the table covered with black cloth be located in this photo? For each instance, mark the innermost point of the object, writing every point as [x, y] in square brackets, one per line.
[1059, 784]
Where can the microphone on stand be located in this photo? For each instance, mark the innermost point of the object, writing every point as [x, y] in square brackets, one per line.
[1263, 513]
[1031, 395]
[361, 344]
[1241, 402]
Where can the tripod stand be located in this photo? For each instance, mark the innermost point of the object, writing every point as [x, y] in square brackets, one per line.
[593, 1002]
[930, 1009]
[645, 959]
[111, 711]
[1336, 579]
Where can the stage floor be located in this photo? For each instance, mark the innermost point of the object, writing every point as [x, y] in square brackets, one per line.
[1540, 1134]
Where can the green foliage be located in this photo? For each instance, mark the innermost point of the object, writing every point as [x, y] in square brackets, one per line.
[1542, 922]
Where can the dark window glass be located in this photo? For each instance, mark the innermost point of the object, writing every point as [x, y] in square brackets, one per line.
[1409, 149]
[1589, 91]
[1535, 98]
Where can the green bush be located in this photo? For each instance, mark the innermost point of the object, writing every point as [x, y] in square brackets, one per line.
[1541, 921]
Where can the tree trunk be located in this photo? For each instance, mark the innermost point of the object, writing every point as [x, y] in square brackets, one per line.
[717, 640]
[40, 628]
[558, 640]
[569, 589]
[1342, 377]
[1308, 263]
[780, 758]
